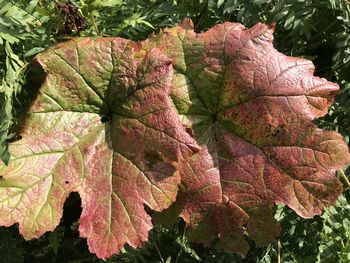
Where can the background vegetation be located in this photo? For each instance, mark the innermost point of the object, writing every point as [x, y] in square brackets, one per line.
[315, 29]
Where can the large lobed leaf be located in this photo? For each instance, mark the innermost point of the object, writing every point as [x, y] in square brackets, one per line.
[118, 166]
[122, 123]
[250, 108]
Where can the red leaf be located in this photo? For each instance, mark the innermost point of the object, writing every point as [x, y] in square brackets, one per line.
[250, 107]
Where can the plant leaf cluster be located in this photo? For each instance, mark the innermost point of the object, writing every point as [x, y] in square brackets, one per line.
[316, 30]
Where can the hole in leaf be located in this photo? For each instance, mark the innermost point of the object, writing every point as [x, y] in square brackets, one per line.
[189, 131]
[15, 138]
[153, 157]
[66, 182]
[158, 163]
[71, 214]
[106, 118]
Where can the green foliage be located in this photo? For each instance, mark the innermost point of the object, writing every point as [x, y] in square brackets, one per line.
[25, 31]
[11, 246]
[323, 239]
[318, 30]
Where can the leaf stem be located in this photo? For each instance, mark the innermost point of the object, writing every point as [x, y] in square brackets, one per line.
[278, 251]
[94, 24]
[160, 254]
[342, 175]
[180, 251]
